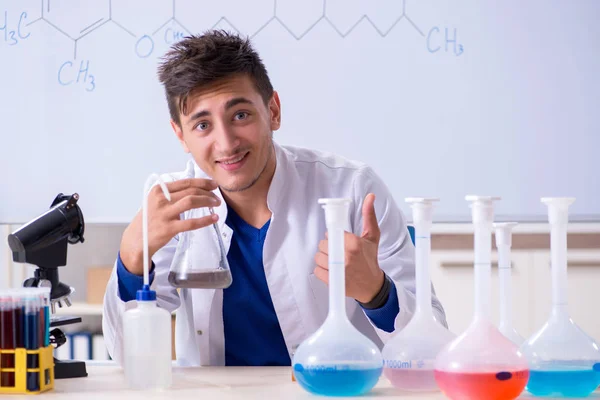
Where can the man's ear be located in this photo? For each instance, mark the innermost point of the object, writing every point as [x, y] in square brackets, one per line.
[275, 109]
[179, 132]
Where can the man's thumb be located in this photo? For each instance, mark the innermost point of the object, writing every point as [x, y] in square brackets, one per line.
[370, 224]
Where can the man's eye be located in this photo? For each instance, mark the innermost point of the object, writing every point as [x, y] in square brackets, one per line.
[241, 115]
[202, 126]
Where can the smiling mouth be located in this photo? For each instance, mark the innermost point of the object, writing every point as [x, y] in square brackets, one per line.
[233, 160]
[233, 163]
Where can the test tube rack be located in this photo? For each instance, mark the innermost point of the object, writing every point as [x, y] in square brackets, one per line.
[45, 370]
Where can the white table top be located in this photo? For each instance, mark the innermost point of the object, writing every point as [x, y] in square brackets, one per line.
[222, 383]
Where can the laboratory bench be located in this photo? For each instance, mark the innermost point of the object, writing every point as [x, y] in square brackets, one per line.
[107, 381]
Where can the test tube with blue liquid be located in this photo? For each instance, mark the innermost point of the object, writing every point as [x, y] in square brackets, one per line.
[337, 360]
[45, 324]
[32, 337]
[564, 360]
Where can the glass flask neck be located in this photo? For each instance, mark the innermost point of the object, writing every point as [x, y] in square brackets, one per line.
[337, 274]
[483, 269]
[558, 251]
[504, 274]
[560, 311]
[423, 280]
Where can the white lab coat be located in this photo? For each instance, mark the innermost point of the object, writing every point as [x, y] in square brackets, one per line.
[297, 225]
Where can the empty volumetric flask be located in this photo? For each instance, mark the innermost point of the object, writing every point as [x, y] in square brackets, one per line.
[503, 232]
[409, 357]
[337, 360]
[481, 363]
[200, 259]
[564, 360]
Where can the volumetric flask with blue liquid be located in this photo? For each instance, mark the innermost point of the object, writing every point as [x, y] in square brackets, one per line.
[337, 360]
[564, 360]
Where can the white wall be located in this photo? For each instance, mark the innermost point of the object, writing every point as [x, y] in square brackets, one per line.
[513, 115]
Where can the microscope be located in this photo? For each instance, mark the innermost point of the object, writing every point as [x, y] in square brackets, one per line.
[43, 242]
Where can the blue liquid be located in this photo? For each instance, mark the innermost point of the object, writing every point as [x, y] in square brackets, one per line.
[47, 339]
[47, 327]
[32, 335]
[567, 383]
[333, 381]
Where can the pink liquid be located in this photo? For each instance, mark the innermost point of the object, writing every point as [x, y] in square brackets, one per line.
[411, 379]
[477, 386]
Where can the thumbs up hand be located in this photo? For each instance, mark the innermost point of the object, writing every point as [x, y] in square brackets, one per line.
[364, 278]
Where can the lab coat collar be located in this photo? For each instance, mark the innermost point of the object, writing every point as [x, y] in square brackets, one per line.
[280, 177]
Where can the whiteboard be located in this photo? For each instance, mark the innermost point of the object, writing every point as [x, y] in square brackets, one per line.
[441, 98]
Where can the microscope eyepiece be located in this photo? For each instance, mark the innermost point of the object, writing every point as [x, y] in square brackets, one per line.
[64, 220]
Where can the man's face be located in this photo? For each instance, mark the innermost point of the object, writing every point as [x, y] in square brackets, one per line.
[228, 130]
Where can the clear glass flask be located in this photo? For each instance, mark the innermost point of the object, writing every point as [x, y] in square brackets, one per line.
[564, 360]
[503, 232]
[409, 357]
[481, 363]
[337, 360]
[201, 260]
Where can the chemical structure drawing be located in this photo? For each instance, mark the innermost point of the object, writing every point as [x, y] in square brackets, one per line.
[172, 20]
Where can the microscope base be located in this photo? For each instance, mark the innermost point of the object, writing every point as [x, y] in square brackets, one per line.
[64, 369]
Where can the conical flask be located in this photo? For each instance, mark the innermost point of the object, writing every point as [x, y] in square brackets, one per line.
[564, 360]
[200, 259]
[337, 360]
[481, 363]
[503, 244]
[409, 357]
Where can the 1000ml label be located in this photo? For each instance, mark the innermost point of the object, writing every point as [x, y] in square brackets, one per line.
[325, 368]
[399, 364]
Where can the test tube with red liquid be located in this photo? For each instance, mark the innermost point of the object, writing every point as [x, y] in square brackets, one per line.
[7, 338]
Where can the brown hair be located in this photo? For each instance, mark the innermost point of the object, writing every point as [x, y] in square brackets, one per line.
[198, 61]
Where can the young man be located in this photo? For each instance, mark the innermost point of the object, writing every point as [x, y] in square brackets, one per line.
[224, 111]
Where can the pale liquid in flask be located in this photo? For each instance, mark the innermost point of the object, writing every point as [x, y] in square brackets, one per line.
[215, 279]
